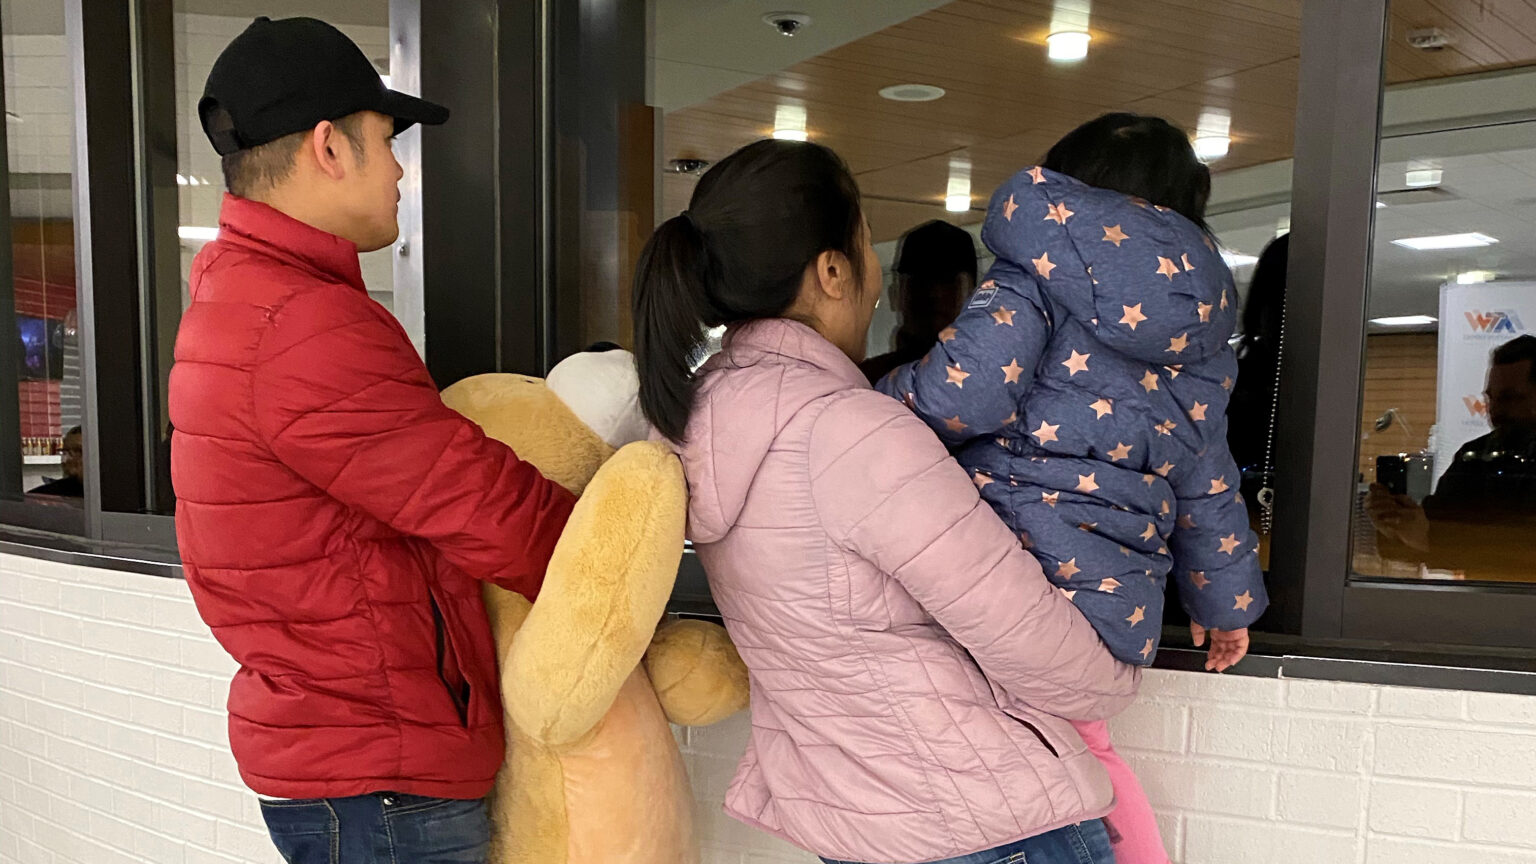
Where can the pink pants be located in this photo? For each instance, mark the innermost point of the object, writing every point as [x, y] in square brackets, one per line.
[1132, 827]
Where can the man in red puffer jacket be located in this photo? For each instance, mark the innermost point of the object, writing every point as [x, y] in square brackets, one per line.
[334, 517]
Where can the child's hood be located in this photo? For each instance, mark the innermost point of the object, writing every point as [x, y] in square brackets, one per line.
[1149, 282]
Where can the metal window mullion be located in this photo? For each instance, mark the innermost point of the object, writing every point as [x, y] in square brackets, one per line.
[98, 39]
[1332, 214]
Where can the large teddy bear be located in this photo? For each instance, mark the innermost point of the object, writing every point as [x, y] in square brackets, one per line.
[592, 773]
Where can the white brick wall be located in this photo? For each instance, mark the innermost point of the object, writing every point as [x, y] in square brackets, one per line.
[1256, 771]
[113, 750]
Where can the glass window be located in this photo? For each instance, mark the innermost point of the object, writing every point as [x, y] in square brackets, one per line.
[201, 30]
[934, 104]
[1447, 468]
[43, 300]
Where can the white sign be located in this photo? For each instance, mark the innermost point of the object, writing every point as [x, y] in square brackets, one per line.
[1474, 320]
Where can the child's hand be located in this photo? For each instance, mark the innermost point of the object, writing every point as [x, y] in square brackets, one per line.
[1227, 646]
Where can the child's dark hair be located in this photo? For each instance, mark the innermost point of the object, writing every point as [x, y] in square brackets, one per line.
[1147, 157]
[757, 220]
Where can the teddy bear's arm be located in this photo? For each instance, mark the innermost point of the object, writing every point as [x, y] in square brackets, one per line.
[606, 587]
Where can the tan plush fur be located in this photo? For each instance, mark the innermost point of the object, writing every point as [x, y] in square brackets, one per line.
[593, 775]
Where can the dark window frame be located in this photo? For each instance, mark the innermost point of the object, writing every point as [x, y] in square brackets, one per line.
[494, 254]
[1338, 140]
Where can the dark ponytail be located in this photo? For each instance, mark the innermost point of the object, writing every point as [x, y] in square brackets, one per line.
[1147, 157]
[757, 220]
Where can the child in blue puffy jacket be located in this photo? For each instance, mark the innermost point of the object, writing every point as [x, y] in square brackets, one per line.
[1085, 388]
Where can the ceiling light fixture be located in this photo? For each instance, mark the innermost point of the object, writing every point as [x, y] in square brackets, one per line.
[1236, 259]
[912, 93]
[1422, 178]
[789, 123]
[1213, 134]
[1209, 148]
[1474, 277]
[1405, 321]
[197, 233]
[1067, 46]
[1446, 241]
[957, 198]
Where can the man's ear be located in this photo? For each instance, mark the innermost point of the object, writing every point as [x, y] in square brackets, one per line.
[325, 142]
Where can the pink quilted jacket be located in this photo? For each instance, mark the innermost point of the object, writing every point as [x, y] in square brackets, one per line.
[910, 663]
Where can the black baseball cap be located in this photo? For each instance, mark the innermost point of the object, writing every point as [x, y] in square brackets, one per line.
[936, 250]
[281, 77]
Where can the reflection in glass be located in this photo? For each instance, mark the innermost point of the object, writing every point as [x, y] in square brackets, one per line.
[39, 120]
[1447, 468]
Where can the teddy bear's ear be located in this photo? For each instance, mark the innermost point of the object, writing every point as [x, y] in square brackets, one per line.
[602, 388]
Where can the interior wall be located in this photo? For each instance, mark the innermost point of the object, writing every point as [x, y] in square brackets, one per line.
[1266, 771]
[1400, 372]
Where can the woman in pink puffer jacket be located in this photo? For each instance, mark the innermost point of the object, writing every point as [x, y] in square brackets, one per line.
[912, 669]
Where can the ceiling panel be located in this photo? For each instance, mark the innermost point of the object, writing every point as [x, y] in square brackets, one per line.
[1006, 103]
[1179, 59]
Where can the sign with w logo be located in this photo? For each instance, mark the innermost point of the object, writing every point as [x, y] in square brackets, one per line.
[1495, 322]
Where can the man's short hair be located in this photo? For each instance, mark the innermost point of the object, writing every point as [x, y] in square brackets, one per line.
[255, 171]
[1516, 350]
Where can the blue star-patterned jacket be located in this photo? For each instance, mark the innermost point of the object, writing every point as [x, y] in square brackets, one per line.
[1085, 388]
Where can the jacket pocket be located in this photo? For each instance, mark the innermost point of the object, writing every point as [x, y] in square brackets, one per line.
[447, 664]
[1040, 735]
[1055, 734]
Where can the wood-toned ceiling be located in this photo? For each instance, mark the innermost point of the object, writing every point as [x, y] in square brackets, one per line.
[1006, 102]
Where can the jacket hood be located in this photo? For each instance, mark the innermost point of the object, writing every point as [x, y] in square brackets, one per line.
[765, 373]
[1114, 262]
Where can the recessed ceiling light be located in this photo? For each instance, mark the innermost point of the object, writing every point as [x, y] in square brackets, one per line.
[789, 123]
[688, 165]
[1446, 241]
[913, 93]
[1404, 321]
[1420, 178]
[1209, 148]
[1380, 205]
[1238, 259]
[1473, 277]
[1067, 45]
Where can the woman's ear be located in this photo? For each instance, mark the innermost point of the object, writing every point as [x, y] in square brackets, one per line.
[834, 274]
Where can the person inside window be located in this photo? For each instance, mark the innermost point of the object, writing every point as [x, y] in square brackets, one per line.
[71, 485]
[1476, 520]
[935, 272]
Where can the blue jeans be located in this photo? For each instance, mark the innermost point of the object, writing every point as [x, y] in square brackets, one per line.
[1085, 843]
[384, 828]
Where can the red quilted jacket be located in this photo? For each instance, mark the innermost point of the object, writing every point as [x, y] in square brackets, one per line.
[334, 517]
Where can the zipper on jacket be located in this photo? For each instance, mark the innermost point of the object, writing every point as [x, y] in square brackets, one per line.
[442, 655]
[1041, 735]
